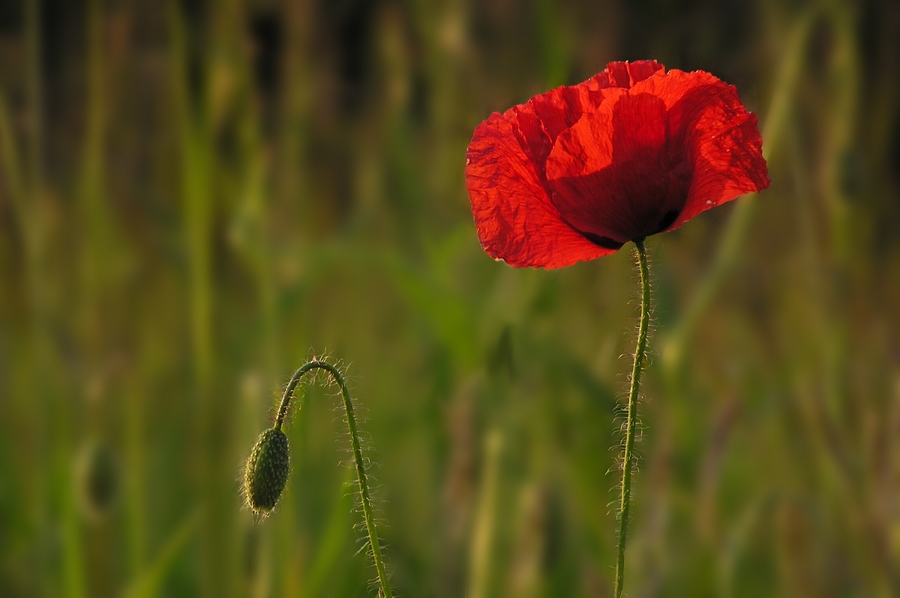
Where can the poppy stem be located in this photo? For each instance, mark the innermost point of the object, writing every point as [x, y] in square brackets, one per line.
[361, 477]
[631, 422]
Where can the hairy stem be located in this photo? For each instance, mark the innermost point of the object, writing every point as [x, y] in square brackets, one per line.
[361, 477]
[631, 423]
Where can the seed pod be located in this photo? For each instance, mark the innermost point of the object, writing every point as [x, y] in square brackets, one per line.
[267, 470]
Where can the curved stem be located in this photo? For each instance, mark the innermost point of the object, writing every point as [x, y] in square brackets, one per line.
[631, 423]
[361, 477]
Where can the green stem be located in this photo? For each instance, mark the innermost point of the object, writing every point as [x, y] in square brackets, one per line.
[631, 424]
[361, 477]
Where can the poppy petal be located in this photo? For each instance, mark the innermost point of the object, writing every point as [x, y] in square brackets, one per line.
[612, 174]
[626, 74]
[540, 120]
[515, 219]
[718, 135]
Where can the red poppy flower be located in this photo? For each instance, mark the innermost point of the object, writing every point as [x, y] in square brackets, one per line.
[575, 173]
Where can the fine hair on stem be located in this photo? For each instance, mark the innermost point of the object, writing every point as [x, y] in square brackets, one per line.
[267, 468]
[631, 423]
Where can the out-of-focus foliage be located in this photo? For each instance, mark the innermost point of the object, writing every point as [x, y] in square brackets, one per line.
[195, 197]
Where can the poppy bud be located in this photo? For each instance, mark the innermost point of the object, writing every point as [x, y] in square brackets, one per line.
[267, 470]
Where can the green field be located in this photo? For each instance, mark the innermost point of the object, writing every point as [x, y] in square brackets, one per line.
[196, 198]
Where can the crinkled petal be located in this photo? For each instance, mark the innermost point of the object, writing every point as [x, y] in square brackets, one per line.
[717, 134]
[654, 156]
[611, 175]
[515, 219]
[541, 119]
[626, 74]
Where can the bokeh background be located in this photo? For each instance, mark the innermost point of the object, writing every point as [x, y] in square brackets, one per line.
[195, 197]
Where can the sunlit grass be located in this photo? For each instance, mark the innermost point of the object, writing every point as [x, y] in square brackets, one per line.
[176, 233]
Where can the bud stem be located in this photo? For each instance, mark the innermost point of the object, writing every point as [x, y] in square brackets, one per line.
[361, 477]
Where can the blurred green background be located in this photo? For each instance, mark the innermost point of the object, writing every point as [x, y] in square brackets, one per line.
[197, 197]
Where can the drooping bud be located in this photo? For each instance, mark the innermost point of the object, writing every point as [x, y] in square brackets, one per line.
[267, 470]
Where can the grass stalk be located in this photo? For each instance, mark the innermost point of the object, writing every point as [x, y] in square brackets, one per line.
[735, 234]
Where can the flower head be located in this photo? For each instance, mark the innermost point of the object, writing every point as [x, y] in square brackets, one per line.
[575, 173]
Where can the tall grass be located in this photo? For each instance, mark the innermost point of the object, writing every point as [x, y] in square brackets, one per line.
[193, 200]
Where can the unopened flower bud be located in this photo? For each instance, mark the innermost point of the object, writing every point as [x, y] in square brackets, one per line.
[267, 470]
